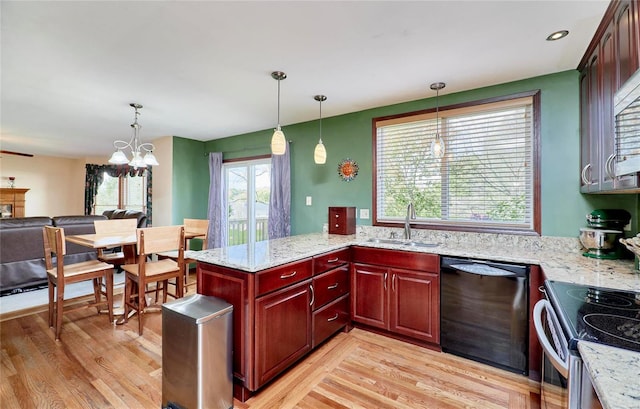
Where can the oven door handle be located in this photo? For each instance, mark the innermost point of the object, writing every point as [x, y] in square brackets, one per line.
[543, 305]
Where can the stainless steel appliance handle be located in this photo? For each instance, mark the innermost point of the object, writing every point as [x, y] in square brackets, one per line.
[482, 270]
[562, 365]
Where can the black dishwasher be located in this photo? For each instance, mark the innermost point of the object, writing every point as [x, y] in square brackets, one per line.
[484, 311]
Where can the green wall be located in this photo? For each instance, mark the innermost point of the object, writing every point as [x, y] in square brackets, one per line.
[350, 136]
[190, 179]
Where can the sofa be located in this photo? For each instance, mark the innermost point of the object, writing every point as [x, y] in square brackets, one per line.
[127, 214]
[22, 249]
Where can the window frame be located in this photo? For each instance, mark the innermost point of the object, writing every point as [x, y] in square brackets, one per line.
[123, 191]
[251, 220]
[466, 226]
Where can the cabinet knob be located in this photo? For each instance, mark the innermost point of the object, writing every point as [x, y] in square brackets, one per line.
[337, 225]
[337, 215]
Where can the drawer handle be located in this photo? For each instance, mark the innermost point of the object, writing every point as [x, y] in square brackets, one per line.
[284, 276]
[335, 317]
[313, 295]
[333, 287]
[333, 260]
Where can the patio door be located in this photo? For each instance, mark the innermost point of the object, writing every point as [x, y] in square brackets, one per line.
[248, 188]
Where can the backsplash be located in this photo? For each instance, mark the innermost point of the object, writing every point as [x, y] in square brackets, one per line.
[533, 243]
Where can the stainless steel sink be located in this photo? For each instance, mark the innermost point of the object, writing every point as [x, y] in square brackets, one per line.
[402, 242]
[420, 244]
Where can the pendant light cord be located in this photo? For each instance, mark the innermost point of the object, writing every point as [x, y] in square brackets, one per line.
[320, 121]
[278, 102]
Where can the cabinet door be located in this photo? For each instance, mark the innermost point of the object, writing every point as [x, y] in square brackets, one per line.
[608, 75]
[585, 132]
[369, 295]
[415, 304]
[626, 32]
[283, 330]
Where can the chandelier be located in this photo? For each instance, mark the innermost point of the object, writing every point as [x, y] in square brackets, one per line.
[136, 147]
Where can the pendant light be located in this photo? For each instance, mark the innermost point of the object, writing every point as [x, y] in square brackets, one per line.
[320, 153]
[437, 146]
[278, 142]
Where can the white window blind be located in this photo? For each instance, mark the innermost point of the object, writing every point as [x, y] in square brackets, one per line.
[485, 178]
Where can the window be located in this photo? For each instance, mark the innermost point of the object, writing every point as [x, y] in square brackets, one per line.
[487, 180]
[121, 192]
[248, 189]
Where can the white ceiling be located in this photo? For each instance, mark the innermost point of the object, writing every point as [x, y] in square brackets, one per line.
[202, 69]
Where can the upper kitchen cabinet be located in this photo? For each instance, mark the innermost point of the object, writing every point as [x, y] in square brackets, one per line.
[611, 58]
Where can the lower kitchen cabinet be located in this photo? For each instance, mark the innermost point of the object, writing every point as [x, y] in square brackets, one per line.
[283, 329]
[414, 307]
[279, 314]
[402, 301]
[369, 295]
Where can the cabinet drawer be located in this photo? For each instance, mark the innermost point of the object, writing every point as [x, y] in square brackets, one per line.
[342, 220]
[327, 261]
[330, 285]
[396, 258]
[282, 276]
[329, 319]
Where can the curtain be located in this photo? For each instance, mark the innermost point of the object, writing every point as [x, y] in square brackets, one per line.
[95, 176]
[280, 201]
[217, 203]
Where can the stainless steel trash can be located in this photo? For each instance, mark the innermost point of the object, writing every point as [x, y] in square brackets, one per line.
[197, 353]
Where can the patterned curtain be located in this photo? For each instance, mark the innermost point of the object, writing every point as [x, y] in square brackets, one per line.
[280, 200]
[95, 176]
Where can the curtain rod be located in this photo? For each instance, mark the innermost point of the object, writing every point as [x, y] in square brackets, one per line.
[248, 148]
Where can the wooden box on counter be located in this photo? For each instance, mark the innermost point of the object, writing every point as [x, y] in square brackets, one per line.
[342, 220]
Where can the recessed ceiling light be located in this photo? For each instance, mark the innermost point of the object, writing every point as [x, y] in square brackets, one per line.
[557, 35]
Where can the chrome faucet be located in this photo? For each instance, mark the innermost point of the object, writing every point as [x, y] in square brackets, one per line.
[411, 214]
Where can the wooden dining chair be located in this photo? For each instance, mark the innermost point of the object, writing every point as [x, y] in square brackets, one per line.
[150, 241]
[198, 229]
[115, 227]
[60, 274]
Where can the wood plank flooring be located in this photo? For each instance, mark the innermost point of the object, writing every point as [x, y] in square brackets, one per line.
[97, 365]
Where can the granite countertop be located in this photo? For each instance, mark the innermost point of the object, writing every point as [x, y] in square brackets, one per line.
[615, 372]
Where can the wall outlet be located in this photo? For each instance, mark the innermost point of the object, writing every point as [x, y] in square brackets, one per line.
[308, 201]
[364, 213]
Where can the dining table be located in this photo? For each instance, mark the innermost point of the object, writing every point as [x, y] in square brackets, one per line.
[128, 244]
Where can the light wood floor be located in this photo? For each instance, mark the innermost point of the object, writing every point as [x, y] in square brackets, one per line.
[96, 365]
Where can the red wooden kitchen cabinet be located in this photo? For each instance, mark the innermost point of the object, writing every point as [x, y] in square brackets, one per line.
[397, 291]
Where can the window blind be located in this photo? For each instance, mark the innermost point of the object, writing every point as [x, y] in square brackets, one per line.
[484, 179]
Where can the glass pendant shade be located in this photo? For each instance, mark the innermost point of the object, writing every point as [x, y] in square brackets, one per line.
[320, 154]
[437, 147]
[278, 142]
[119, 158]
[150, 159]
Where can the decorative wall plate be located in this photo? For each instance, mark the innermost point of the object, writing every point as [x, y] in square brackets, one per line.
[348, 169]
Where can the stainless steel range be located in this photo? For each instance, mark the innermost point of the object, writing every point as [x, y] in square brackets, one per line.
[573, 313]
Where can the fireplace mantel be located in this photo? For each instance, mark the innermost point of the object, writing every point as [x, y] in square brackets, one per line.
[12, 201]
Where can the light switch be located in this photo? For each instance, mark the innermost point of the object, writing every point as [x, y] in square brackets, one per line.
[308, 201]
[364, 213]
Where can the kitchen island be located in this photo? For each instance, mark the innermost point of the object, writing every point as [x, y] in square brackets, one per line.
[560, 259]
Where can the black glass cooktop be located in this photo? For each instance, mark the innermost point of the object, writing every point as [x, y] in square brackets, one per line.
[596, 314]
